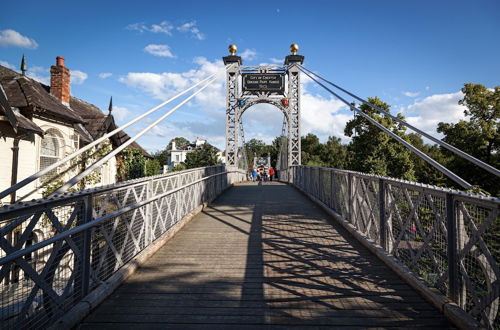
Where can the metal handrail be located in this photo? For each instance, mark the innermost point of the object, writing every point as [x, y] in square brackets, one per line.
[20, 253]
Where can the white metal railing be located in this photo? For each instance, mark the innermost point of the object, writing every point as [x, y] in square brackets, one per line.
[55, 251]
[449, 239]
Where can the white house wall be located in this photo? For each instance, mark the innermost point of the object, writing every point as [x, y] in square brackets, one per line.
[29, 161]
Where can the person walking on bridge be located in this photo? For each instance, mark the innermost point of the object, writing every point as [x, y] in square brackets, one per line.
[271, 173]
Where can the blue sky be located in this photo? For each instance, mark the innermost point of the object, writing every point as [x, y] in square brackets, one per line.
[415, 55]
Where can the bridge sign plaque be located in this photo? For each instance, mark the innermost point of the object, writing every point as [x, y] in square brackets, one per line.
[263, 82]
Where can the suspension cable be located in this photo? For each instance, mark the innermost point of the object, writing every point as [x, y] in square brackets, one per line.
[92, 167]
[421, 154]
[451, 148]
[46, 170]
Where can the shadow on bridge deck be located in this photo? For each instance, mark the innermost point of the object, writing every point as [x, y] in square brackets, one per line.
[263, 256]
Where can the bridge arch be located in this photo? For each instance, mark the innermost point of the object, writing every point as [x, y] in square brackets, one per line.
[262, 100]
[267, 86]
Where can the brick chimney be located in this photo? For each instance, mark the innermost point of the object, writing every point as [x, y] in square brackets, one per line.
[59, 81]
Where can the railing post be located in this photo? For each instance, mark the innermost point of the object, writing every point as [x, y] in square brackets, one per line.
[451, 220]
[320, 178]
[350, 199]
[148, 235]
[383, 220]
[86, 244]
[333, 206]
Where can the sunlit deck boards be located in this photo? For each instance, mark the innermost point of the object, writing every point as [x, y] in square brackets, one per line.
[263, 256]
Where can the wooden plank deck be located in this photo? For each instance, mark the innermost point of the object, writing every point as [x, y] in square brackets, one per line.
[263, 256]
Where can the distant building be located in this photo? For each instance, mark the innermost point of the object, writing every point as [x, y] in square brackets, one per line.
[178, 154]
[40, 125]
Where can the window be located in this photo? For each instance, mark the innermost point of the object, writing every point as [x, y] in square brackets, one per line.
[176, 158]
[51, 150]
[75, 139]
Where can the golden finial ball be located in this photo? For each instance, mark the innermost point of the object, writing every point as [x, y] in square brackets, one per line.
[232, 49]
[294, 48]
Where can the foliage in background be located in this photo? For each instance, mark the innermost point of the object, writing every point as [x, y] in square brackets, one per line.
[153, 167]
[373, 151]
[478, 136]
[179, 142]
[258, 148]
[161, 156]
[133, 165]
[77, 165]
[206, 155]
[179, 167]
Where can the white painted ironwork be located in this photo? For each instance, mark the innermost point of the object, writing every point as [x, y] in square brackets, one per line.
[94, 233]
[447, 238]
[282, 161]
[238, 102]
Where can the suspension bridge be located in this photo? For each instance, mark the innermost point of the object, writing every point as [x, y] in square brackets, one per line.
[206, 248]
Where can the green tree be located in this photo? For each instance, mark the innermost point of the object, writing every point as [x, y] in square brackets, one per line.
[134, 165]
[179, 142]
[161, 156]
[372, 150]
[312, 150]
[254, 148]
[206, 155]
[424, 172]
[478, 136]
[152, 167]
[334, 153]
[179, 167]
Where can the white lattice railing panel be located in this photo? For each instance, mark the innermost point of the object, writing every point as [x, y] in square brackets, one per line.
[53, 252]
[448, 239]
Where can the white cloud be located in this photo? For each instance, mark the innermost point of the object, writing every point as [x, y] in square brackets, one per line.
[323, 116]
[166, 84]
[167, 28]
[120, 113]
[7, 65]
[192, 28]
[159, 50]
[427, 113]
[276, 60]
[411, 94]
[13, 38]
[39, 73]
[164, 27]
[105, 75]
[248, 54]
[78, 77]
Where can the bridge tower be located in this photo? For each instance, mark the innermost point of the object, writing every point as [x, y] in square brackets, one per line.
[249, 85]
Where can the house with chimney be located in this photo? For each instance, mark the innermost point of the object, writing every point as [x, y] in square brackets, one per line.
[178, 154]
[40, 125]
